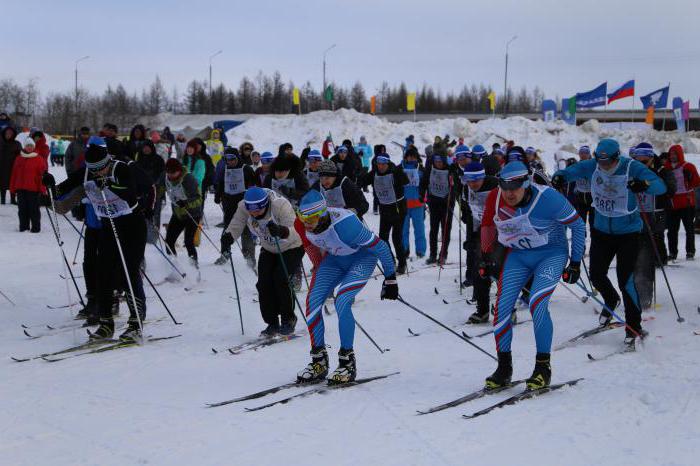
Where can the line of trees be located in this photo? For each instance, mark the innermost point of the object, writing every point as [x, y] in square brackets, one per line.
[63, 112]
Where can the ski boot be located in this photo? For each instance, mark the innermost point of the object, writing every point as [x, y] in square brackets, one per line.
[87, 310]
[503, 374]
[478, 318]
[288, 325]
[431, 260]
[270, 331]
[224, 258]
[132, 334]
[104, 331]
[401, 269]
[631, 339]
[542, 374]
[605, 317]
[690, 256]
[467, 282]
[347, 369]
[318, 367]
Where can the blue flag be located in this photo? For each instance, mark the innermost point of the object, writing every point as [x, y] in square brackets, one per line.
[678, 114]
[595, 98]
[656, 99]
[568, 110]
[549, 110]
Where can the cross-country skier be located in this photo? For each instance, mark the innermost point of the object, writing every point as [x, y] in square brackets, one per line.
[266, 159]
[270, 217]
[415, 206]
[233, 177]
[530, 220]
[339, 191]
[351, 256]
[314, 160]
[439, 184]
[615, 182]
[584, 201]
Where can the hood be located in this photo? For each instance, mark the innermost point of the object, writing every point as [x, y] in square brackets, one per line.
[5, 130]
[150, 144]
[133, 130]
[215, 134]
[678, 150]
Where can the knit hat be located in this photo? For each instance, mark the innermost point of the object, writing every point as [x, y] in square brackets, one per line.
[383, 159]
[29, 142]
[313, 204]
[584, 149]
[266, 158]
[643, 149]
[473, 172]
[341, 149]
[462, 151]
[96, 155]
[478, 150]
[315, 155]
[530, 150]
[255, 198]
[514, 175]
[327, 168]
[173, 166]
[516, 153]
[607, 149]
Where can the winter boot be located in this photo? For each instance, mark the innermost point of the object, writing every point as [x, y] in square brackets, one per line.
[431, 260]
[468, 281]
[288, 325]
[478, 318]
[401, 269]
[132, 334]
[224, 258]
[347, 369]
[317, 369]
[542, 374]
[88, 310]
[503, 374]
[270, 331]
[605, 317]
[104, 331]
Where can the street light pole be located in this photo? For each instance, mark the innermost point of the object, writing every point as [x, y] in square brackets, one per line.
[323, 93]
[210, 91]
[505, 80]
[76, 86]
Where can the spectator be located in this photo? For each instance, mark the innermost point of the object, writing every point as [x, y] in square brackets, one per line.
[115, 147]
[5, 121]
[180, 143]
[75, 154]
[682, 203]
[27, 186]
[9, 151]
[41, 147]
[215, 148]
[194, 163]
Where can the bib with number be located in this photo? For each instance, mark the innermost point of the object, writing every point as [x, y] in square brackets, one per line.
[647, 202]
[233, 181]
[477, 201]
[517, 232]
[610, 193]
[312, 177]
[439, 185]
[384, 188]
[328, 240]
[334, 197]
[583, 185]
[106, 203]
[278, 184]
[175, 191]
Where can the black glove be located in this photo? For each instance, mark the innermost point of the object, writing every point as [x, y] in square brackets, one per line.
[217, 198]
[279, 231]
[181, 203]
[572, 272]
[637, 186]
[558, 182]
[488, 269]
[48, 180]
[390, 288]
[226, 241]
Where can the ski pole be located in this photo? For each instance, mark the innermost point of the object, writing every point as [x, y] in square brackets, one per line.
[201, 230]
[143, 272]
[658, 258]
[5, 296]
[75, 256]
[126, 270]
[583, 299]
[461, 337]
[238, 296]
[605, 306]
[57, 235]
[172, 264]
[588, 276]
[459, 209]
[289, 279]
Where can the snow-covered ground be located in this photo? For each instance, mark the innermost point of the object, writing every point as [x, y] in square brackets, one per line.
[145, 405]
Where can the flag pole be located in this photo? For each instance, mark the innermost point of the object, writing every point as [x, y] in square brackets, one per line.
[634, 95]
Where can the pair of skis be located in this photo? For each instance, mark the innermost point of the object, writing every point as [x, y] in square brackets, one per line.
[311, 391]
[258, 343]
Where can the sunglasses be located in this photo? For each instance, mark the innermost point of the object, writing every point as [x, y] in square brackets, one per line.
[511, 185]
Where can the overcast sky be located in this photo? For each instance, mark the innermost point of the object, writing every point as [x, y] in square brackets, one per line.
[564, 46]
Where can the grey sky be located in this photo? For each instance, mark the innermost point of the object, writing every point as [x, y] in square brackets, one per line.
[563, 46]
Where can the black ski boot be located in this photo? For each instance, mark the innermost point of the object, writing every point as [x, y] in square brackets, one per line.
[115, 303]
[317, 368]
[270, 331]
[223, 259]
[503, 374]
[401, 269]
[288, 325]
[104, 331]
[631, 339]
[87, 310]
[431, 260]
[605, 317]
[132, 334]
[478, 318]
[347, 369]
[542, 374]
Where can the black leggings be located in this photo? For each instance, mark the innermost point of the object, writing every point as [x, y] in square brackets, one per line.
[175, 227]
[391, 218]
[440, 222]
[675, 218]
[275, 295]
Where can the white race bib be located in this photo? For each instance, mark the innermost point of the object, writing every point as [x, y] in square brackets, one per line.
[234, 181]
[106, 203]
[517, 232]
[610, 193]
[384, 188]
[439, 185]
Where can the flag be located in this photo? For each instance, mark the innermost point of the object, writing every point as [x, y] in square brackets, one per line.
[626, 90]
[373, 104]
[657, 99]
[678, 114]
[650, 116]
[549, 110]
[568, 110]
[411, 102]
[295, 96]
[686, 110]
[328, 93]
[592, 98]
[492, 101]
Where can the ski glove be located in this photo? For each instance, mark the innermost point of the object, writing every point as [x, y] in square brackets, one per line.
[390, 288]
[488, 269]
[277, 230]
[558, 182]
[48, 180]
[637, 186]
[572, 272]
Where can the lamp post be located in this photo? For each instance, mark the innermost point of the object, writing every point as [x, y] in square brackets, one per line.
[76, 86]
[211, 57]
[323, 93]
[505, 80]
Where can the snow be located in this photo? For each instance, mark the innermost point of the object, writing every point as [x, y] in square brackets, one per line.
[146, 405]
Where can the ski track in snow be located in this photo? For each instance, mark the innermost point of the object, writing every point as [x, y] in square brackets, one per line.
[146, 405]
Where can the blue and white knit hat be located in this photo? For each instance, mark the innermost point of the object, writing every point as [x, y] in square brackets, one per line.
[266, 157]
[584, 149]
[473, 172]
[313, 204]
[315, 155]
[383, 159]
[96, 155]
[643, 149]
[462, 150]
[478, 150]
[256, 198]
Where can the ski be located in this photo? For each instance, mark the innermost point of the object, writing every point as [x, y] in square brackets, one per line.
[263, 393]
[117, 345]
[76, 325]
[524, 395]
[490, 332]
[610, 354]
[323, 389]
[259, 343]
[469, 397]
[592, 332]
[82, 346]
[65, 306]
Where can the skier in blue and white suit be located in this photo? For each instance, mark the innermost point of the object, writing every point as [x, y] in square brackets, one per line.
[351, 253]
[530, 220]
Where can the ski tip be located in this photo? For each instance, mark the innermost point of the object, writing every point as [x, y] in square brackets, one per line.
[24, 326]
[464, 334]
[445, 301]
[19, 359]
[590, 357]
[29, 335]
[436, 291]
[214, 351]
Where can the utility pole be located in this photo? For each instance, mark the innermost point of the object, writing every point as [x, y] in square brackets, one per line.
[505, 80]
[323, 92]
[210, 90]
[76, 88]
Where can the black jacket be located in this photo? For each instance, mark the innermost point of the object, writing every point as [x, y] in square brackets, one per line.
[400, 179]
[151, 163]
[453, 179]
[352, 194]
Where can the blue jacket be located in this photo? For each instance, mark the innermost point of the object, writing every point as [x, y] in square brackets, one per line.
[630, 223]
[366, 154]
[412, 193]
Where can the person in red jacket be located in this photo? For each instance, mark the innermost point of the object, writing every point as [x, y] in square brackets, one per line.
[26, 184]
[40, 145]
[682, 203]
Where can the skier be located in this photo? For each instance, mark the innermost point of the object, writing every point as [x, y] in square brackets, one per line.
[415, 207]
[682, 203]
[186, 204]
[339, 191]
[615, 181]
[584, 201]
[388, 181]
[286, 179]
[271, 217]
[351, 256]
[530, 220]
[346, 163]
[232, 179]
[311, 171]
[264, 169]
[114, 190]
[439, 184]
